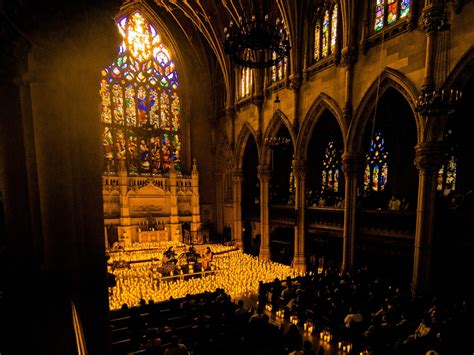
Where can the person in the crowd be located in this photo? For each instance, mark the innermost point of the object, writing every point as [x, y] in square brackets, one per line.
[176, 348]
[394, 204]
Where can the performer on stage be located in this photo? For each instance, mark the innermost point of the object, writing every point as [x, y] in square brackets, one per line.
[207, 258]
[192, 255]
[169, 256]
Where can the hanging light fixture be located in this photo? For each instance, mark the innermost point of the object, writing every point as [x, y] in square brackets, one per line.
[257, 43]
[441, 100]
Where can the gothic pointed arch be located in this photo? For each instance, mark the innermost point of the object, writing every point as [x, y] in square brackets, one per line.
[322, 103]
[140, 109]
[246, 133]
[389, 78]
[278, 120]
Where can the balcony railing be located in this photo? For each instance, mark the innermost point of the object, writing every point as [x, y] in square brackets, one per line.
[283, 214]
[387, 223]
[325, 218]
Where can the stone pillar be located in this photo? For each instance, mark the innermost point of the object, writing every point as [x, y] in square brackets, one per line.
[427, 160]
[125, 227]
[348, 58]
[196, 221]
[264, 174]
[433, 21]
[299, 172]
[237, 179]
[350, 166]
[219, 202]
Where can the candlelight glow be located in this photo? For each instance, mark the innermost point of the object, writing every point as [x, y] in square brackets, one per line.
[237, 273]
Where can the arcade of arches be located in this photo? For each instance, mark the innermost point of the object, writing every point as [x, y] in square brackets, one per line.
[107, 111]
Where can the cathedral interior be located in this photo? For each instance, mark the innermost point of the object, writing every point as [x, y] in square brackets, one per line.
[322, 141]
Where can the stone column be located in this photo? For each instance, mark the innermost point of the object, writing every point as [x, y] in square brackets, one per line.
[237, 179]
[348, 58]
[264, 174]
[427, 160]
[219, 202]
[299, 172]
[433, 20]
[350, 166]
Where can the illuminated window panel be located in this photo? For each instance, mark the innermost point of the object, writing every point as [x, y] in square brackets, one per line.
[392, 11]
[139, 93]
[440, 179]
[331, 165]
[404, 8]
[317, 40]
[379, 15]
[108, 150]
[325, 35]
[376, 171]
[447, 174]
[132, 155]
[388, 12]
[334, 29]
[274, 68]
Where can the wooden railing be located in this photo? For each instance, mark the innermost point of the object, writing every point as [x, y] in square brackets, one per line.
[325, 218]
[283, 214]
[387, 223]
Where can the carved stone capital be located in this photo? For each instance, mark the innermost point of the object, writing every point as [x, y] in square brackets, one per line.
[237, 175]
[428, 157]
[434, 17]
[351, 164]
[264, 173]
[295, 82]
[348, 57]
[299, 169]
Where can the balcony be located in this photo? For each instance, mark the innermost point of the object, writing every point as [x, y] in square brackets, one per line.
[398, 224]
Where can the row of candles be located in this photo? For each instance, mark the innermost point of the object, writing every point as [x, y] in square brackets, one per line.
[308, 327]
[239, 275]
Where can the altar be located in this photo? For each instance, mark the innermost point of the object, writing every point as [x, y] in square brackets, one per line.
[152, 236]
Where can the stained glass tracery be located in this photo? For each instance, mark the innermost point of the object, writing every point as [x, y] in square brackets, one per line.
[376, 169]
[279, 70]
[140, 105]
[387, 12]
[325, 33]
[330, 168]
[246, 82]
[447, 174]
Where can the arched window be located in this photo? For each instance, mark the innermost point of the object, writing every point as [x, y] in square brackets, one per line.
[279, 70]
[388, 12]
[246, 82]
[325, 32]
[331, 168]
[140, 108]
[376, 170]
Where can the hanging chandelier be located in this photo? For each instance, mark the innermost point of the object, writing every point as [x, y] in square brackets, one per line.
[256, 43]
[441, 100]
[275, 142]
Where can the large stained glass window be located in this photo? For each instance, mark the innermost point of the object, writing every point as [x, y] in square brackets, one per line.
[331, 168]
[140, 106]
[376, 169]
[387, 12]
[246, 82]
[325, 32]
[279, 70]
